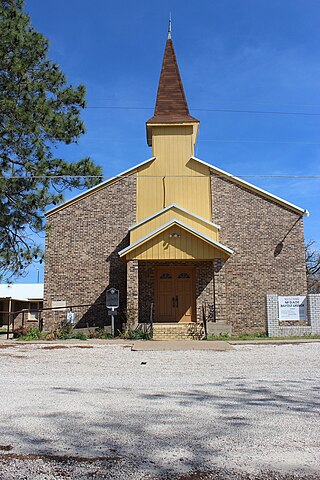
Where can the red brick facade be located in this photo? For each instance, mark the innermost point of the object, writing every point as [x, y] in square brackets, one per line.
[84, 239]
[82, 248]
[254, 228]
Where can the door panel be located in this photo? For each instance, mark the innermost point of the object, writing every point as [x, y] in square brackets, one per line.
[164, 299]
[175, 294]
[184, 293]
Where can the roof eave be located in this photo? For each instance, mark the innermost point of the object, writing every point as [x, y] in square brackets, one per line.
[92, 190]
[163, 227]
[173, 205]
[250, 186]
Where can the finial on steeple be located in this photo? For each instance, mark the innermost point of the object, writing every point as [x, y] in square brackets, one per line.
[169, 27]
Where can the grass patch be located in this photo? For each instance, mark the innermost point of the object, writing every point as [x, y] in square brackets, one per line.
[63, 332]
[136, 334]
[257, 336]
[99, 333]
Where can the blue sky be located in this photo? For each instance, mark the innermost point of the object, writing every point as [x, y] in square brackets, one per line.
[233, 55]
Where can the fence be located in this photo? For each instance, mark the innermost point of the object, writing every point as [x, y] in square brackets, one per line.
[83, 316]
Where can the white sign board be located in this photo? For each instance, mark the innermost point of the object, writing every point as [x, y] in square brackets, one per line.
[292, 308]
[71, 318]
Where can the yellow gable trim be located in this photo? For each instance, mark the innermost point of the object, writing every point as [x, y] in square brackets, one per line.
[175, 241]
[174, 212]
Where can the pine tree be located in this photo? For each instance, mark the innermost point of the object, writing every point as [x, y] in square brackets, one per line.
[38, 111]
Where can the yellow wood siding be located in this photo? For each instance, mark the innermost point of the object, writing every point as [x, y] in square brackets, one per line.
[186, 247]
[173, 177]
[174, 214]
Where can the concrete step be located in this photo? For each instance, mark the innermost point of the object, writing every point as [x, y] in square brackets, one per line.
[217, 328]
[178, 331]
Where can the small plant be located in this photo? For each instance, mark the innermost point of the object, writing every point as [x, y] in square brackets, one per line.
[66, 332]
[99, 333]
[257, 336]
[23, 333]
[137, 334]
[252, 336]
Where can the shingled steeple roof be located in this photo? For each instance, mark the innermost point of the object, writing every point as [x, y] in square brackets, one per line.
[171, 104]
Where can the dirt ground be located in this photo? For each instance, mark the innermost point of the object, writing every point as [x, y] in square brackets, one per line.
[108, 412]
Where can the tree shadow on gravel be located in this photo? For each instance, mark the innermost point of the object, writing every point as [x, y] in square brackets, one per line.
[166, 432]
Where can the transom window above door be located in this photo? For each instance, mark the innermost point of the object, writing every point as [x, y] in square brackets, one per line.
[184, 275]
[165, 276]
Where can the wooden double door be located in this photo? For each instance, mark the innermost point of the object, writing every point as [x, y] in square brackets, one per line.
[175, 294]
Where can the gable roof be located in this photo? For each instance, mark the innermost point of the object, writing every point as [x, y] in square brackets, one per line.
[171, 104]
[98, 187]
[177, 207]
[253, 188]
[218, 171]
[167, 225]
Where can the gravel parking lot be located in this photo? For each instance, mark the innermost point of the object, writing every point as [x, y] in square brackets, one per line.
[107, 412]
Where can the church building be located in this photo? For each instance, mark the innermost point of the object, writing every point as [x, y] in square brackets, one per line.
[182, 240]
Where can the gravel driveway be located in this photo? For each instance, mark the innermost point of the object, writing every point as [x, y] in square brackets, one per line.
[163, 414]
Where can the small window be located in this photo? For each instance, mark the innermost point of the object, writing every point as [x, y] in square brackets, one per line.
[184, 275]
[33, 315]
[165, 276]
[33, 311]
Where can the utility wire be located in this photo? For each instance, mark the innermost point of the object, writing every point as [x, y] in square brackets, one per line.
[39, 177]
[239, 102]
[285, 142]
[219, 110]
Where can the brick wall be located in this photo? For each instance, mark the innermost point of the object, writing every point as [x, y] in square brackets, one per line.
[279, 329]
[82, 248]
[254, 227]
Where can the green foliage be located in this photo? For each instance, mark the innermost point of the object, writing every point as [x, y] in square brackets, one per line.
[241, 336]
[38, 111]
[137, 334]
[63, 332]
[257, 336]
[99, 333]
[23, 333]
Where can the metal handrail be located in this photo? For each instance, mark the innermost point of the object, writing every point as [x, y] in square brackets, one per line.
[38, 310]
[204, 319]
[151, 320]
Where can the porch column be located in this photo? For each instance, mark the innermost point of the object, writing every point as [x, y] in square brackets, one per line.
[132, 293]
[220, 297]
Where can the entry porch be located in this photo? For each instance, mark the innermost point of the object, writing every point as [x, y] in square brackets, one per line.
[177, 297]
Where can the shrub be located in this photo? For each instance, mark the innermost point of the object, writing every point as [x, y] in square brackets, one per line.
[99, 333]
[136, 334]
[23, 333]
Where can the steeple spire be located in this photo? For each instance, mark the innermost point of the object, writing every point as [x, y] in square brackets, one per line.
[171, 104]
[169, 27]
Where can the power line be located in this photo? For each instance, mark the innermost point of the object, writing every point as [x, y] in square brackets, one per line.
[43, 177]
[259, 141]
[205, 140]
[218, 110]
[239, 102]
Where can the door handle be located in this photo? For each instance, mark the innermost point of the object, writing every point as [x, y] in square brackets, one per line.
[177, 301]
[173, 304]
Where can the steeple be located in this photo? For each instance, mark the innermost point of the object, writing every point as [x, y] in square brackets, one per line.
[169, 28]
[171, 105]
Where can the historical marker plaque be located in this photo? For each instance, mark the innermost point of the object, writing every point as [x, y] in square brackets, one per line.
[112, 298]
